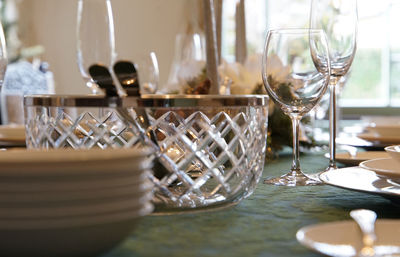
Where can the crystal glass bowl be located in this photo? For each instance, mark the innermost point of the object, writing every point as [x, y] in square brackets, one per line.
[210, 149]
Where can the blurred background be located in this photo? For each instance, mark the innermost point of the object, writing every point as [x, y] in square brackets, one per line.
[373, 86]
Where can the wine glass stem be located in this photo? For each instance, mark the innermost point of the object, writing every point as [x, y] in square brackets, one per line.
[332, 124]
[296, 152]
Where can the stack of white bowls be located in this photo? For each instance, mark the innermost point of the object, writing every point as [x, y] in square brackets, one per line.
[71, 202]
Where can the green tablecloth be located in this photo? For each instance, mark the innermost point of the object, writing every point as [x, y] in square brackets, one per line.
[265, 224]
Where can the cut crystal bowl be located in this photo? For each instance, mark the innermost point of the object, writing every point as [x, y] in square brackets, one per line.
[209, 150]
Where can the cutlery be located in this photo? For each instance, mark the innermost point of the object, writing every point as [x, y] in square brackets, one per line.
[102, 77]
[366, 222]
[106, 78]
[128, 77]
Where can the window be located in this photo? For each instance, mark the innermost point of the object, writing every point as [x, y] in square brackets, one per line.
[370, 82]
[374, 80]
[256, 19]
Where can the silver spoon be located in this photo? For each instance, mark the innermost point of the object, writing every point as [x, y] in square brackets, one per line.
[366, 221]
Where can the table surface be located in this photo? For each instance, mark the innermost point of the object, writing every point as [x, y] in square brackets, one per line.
[265, 224]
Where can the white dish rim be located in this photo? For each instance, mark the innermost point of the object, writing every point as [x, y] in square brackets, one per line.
[78, 221]
[311, 244]
[376, 137]
[381, 171]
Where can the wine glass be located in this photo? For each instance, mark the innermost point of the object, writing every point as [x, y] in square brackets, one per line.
[148, 73]
[189, 59]
[296, 72]
[3, 68]
[3, 56]
[96, 39]
[338, 18]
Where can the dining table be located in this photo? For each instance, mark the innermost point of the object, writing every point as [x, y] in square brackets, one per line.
[264, 224]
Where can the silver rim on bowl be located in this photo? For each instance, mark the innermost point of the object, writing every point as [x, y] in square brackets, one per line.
[146, 101]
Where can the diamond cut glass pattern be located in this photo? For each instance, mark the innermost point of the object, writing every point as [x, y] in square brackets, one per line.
[209, 156]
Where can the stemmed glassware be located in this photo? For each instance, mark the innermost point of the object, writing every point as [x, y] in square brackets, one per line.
[148, 72]
[189, 58]
[338, 18]
[95, 39]
[3, 68]
[3, 56]
[296, 72]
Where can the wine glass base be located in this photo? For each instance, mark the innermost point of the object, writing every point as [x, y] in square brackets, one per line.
[331, 167]
[316, 175]
[293, 179]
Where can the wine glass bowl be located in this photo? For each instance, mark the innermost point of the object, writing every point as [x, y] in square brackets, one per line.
[338, 18]
[296, 74]
[95, 38]
[148, 73]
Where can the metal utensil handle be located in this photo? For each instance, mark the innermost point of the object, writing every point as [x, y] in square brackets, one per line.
[366, 222]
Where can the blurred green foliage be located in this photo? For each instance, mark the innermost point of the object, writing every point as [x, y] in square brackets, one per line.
[365, 75]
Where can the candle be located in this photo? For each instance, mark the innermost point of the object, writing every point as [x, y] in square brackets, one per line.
[211, 44]
[241, 42]
[219, 8]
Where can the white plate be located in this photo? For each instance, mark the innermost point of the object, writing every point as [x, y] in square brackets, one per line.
[343, 238]
[81, 208]
[394, 152]
[383, 139]
[347, 159]
[12, 133]
[385, 130]
[84, 236]
[387, 167]
[362, 180]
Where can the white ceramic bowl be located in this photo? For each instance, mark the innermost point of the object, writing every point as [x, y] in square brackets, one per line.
[73, 208]
[71, 202]
[68, 237]
[61, 183]
[65, 197]
[385, 167]
[70, 162]
[69, 184]
[73, 221]
[74, 185]
[394, 152]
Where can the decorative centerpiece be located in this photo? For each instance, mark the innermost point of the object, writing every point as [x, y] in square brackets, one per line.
[245, 79]
[242, 77]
